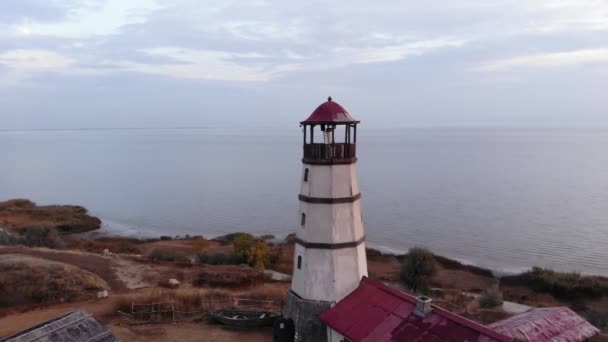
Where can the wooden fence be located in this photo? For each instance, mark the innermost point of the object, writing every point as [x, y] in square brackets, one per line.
[168, 312]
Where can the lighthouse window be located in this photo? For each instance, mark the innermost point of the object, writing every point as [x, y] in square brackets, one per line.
[303, 220]
[306, 175]
[299, 262]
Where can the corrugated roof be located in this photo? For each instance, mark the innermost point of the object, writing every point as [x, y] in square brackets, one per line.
[329, 112]
[376, 312]
[73, 326]
[547, 324]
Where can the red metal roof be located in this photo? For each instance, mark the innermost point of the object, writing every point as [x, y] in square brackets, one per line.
[547, 324]
[329, 112]
[376, 312]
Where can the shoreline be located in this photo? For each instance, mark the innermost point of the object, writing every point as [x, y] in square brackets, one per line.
[112, 228]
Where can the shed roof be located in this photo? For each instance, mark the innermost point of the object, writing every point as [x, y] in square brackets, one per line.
[329, 112]
[547, 324]
[376, 312]
[73, 326]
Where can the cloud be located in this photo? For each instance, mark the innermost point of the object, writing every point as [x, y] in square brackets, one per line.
[91, 18]
[22, 64]
[567, 15]
[206, 64]
[16, 10]
[548, 60]
[34, 60]
[392, 53]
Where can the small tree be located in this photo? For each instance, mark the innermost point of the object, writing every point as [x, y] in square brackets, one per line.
[417, 266]
[259, 255]
[242, 246]
[198, 244]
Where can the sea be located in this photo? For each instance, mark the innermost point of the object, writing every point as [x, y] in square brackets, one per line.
[502, 198]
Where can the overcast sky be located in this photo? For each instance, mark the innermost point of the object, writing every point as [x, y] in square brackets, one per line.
[190, 63]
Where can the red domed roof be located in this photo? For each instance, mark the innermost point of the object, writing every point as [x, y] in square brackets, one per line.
[329, 112]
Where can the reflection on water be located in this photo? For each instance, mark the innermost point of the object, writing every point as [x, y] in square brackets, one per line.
[506, 199]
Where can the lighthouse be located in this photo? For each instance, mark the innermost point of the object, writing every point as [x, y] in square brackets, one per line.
[329, 254]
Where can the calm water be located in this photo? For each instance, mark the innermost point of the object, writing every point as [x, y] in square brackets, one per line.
[506, 199]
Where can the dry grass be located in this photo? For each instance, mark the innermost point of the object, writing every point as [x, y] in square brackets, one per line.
[184, 299]
[566, 286]
[27, 280]
[21, 213]
[170, 255]
[196, 299]
[228, 277]
[118, 245]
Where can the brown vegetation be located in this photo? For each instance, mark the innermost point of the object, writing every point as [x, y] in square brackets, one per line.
[167, 254]
[118, 245]
[228, 277]
[92, 263]
[567, 286]
[27, 280]
[21, 213]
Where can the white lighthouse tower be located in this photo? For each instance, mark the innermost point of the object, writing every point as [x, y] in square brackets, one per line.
[329, 259]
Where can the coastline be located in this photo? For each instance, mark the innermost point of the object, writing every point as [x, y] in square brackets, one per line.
[113, 228]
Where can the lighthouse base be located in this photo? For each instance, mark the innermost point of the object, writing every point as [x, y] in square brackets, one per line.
[305, 315]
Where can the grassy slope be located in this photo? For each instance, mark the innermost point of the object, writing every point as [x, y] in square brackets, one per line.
[21, 213]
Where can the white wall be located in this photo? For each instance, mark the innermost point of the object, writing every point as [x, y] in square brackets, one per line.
[330, 181]
[328, 274]
[330, 223]
[333, 336]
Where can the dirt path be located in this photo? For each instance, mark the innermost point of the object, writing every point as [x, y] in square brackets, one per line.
[188, 332]
[132, 274]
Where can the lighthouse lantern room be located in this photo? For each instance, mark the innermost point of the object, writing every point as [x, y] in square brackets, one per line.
[329, 256]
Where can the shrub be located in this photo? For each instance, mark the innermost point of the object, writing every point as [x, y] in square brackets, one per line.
[198, 244]
[259, 255]
[276, 252]
[161, 254]
[218, 259]
[242, 246]
[416, 267]
[490, 300]
[41, 236]
[7, 238]
[569, 286]
[598, 319]
[233, 236]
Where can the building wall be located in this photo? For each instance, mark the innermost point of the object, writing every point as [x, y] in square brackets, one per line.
[328, 274]
[330, 181]
[330, 223]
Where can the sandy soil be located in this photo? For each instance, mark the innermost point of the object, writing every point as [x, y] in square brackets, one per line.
[188, 332]
[132, 274]
[16, 322]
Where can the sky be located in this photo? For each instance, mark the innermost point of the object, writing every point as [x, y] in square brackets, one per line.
[195, 63]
